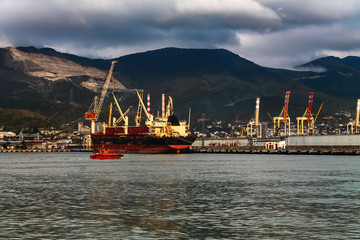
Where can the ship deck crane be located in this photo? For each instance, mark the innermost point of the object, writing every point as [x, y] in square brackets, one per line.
[166, 125]
[95, 109]
[169, 108]
[149, 117]
[123, 116]
[283, 118]
[306, 118]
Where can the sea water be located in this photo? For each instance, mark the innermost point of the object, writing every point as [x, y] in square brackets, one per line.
[179, 196]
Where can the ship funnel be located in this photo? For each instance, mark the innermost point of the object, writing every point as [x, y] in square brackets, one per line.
[163, 106]
[148, 103]
[357, 116]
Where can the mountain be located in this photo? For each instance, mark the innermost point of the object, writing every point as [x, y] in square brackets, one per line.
[216, 82]
[337, 77]
[46, 82]
[219, 83]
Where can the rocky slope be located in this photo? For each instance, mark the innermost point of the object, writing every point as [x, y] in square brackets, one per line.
[54, 68]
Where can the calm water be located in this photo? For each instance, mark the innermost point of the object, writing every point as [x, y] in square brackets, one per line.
[195, 196]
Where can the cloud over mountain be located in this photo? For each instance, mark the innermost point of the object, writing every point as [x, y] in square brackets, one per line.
[272, 32]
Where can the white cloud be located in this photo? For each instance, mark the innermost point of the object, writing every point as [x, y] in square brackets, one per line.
[250, 8]
[278, 33]
[296, 46]
[313, 11]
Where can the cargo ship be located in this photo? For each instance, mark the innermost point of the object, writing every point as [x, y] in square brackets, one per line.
[162, 134]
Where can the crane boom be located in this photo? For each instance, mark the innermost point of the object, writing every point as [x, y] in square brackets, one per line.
[318, 113]
[122, 115]
[104, 90]
[169, 108]
[141, 104]
[286, 106]
[95, 109]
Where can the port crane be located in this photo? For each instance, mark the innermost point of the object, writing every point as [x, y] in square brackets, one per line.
[354, 126]
[283, 118]
[95, 108]
[317, 114]
[306, 118]
[253, 128]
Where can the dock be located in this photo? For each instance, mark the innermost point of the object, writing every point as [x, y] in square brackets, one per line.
[43, 150]
[256, 150]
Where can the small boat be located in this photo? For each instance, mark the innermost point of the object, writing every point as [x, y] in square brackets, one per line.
[106, 155]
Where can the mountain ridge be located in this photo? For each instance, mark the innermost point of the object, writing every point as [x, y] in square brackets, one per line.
[215, 81]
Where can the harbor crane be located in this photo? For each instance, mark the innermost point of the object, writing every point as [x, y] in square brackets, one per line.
[95, 108]
[283, 118]
[354, 126]
[306, 118]
[317, 114]
[253, 128]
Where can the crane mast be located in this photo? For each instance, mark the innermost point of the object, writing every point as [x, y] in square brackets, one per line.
[286, 107]
[354, 125]
[283, 118]
[309, 108]
[253, 128]
[306, 118]
[94, 111]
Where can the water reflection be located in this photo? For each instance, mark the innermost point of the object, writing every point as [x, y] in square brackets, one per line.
[145, 205]
[69, 196]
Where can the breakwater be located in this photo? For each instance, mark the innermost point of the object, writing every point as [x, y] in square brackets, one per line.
[260, 150]
[43, 150]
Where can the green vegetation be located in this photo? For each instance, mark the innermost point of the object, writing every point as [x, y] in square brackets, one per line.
[17, 119]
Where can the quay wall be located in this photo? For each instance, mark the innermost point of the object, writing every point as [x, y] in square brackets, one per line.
[222, 142]
[324, 140]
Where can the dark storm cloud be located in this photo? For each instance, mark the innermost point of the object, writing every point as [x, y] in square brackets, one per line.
[50, 17]
[266, 29]
[127, 23]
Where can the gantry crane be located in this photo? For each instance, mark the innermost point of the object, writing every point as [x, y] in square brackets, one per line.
[253, 128]
[283, 118]
[353, 126]
[95, 108]
[306, 118]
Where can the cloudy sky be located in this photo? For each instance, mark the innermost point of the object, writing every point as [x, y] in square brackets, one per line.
[274, 33]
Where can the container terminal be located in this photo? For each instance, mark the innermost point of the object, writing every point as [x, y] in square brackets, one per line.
[282, 141]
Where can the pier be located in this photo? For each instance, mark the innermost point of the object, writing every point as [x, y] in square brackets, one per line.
[256, 150]
[43, 150]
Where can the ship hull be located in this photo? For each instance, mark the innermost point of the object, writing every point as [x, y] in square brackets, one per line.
[140, 143]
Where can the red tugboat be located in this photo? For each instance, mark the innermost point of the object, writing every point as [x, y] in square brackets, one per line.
[103, 154]
[106, 156]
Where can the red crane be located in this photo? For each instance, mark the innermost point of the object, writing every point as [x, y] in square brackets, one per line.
[286, 106]
[308, 112]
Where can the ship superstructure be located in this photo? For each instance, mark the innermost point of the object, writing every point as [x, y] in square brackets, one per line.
[161, 134]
